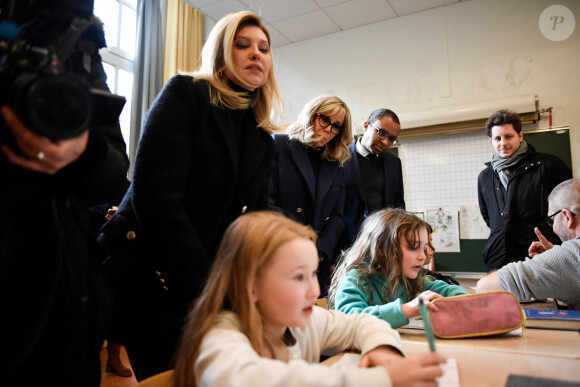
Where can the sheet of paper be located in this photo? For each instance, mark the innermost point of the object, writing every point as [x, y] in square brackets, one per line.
[471, 223]
[445, 224]
[450, 376]
[515, 332]
[415, 323]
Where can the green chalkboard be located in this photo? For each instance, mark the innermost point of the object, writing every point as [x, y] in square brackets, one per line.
[555, 142]
[468, 260]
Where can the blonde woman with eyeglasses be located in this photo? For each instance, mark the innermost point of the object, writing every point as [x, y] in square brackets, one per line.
[307, 176]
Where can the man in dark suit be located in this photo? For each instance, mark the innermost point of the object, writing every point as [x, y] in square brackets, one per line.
[373, 177]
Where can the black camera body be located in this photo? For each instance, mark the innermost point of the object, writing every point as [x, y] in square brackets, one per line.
[35, 44]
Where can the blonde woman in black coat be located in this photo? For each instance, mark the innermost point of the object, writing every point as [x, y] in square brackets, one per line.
[203, 159]
[307, 180]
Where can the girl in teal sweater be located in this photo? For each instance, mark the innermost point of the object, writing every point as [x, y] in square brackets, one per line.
[382, 273]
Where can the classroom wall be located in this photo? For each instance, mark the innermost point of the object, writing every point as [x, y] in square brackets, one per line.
[477, 50]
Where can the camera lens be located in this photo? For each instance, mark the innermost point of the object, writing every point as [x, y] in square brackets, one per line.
[58, 107]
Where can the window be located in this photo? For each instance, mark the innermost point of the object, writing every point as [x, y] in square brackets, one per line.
[120, 21]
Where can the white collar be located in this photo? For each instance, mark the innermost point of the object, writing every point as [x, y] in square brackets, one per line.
[361, 150]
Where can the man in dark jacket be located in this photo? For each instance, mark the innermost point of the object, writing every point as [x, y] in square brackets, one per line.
[513, 191]
[54, 302]
[373, 177]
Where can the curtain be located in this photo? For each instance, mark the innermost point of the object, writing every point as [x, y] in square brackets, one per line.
[184, 38]
[148, 70]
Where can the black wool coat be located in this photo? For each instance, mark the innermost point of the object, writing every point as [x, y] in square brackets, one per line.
[512, 214]
[198, 167]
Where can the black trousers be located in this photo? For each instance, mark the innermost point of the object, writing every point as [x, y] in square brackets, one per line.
[67, 352]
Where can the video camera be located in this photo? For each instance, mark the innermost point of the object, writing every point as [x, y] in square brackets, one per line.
[37, 37]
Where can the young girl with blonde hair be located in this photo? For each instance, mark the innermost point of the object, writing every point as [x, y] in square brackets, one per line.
[382, 273]
[256, 323]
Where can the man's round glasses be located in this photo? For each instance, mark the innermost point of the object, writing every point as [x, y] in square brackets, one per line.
[324, 121]
[550, 218]
[384, 135]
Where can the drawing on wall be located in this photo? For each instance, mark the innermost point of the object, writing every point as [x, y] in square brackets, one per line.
[419, 214]
[445, 224]
[471, 223]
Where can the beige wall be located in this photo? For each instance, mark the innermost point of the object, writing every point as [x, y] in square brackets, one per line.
[472, 51]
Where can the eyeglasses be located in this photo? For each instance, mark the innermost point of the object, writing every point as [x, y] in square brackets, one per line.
[384, 135]
[324, 121]
[550, 218]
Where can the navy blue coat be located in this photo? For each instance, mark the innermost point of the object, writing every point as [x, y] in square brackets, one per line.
[317, 202]
[356, 210]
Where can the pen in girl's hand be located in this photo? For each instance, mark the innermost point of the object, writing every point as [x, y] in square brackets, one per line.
[427, 321]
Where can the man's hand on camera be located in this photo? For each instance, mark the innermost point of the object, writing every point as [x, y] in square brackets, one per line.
[39, 153]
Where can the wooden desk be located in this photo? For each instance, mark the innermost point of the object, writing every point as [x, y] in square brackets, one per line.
[485, 367]
[488, 361]
[538, 342]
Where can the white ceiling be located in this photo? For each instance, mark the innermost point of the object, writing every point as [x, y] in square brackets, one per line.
[290, 21]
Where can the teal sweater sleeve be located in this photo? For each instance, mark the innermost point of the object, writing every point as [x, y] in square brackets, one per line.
[353, 298]
[368, 297]
[443, 288]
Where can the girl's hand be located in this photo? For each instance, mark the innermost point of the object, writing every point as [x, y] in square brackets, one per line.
[411, 308]
[380, 356]
[419, 370]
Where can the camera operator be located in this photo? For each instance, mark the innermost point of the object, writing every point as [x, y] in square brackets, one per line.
[55, 305]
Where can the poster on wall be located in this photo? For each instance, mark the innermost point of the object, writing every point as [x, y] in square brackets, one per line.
[471, 223]
[445, 224]
[419, 214]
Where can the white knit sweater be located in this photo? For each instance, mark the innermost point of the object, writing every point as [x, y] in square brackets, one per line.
[227, 358]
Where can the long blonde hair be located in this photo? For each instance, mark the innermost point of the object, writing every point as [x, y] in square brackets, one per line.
[245, 252]
[303, 129]
[216, 55]
[377, 249]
